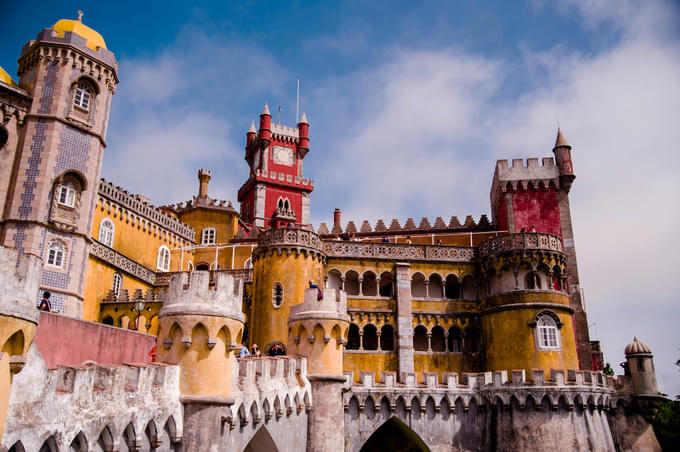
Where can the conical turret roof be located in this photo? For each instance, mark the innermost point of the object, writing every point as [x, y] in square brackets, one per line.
[561, 141]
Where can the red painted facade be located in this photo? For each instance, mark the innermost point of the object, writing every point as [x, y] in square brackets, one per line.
[65, 341]
[539, 208]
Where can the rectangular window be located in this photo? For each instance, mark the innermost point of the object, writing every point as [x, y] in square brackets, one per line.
[208, 236]
[67, 196]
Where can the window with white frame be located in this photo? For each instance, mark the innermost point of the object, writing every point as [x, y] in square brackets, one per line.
[208, 236]
[82, 96]
[548, 334]
[106, 229]
[163, 261]
[117, 284]
[55, 254]
[67, 195]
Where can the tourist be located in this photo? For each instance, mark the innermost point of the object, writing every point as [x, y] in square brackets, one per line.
[243, 353]
[408, 240]
[45, 304]
[255, 351]
[608, 370]
[385, 239]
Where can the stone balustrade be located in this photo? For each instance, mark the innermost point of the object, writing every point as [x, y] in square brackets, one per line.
[289, 237]
[122, 262]
[397, 251]
[534, 241]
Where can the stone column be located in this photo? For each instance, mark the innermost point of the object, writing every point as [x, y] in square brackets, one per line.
[404, 319]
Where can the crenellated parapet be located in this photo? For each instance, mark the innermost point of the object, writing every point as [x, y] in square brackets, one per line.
[199, 327]
[581, 389]
[270, 389]
[289, 240]
[410, 226]
[119, 407]
[137, 210]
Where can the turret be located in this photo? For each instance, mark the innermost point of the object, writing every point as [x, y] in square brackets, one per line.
[19, 282]
[284, 262]
[641, 367]
[250, 135]
[199, 327]
[562, 152]
[265, 132]
[303, 128]
[203, 179]
[317, 329]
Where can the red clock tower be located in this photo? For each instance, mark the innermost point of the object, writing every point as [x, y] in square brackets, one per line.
[276, 194]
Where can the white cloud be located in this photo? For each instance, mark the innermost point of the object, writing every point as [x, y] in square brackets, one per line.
[426, 127]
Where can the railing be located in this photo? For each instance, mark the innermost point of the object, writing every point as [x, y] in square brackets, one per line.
[122, 262]
[246, 275]
[394, 251]
[285, 236]
[521, 241]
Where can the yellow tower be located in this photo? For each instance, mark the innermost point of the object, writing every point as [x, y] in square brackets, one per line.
[317, 329]
[283, 264]
[526, 319]
[199, 327]
[19, 282]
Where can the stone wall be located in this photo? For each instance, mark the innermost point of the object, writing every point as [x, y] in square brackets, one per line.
[571, 411]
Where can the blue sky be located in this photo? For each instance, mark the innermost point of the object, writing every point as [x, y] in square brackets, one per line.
[410, 104]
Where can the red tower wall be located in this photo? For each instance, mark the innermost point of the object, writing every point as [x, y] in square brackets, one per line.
[535, 207]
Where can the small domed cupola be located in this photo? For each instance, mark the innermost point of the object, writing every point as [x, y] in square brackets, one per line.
[637, 348]
[92, 38]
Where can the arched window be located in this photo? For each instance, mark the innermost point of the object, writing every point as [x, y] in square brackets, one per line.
[163, 261]
[418, 288]
[386, 286]
[277, 295]
[280, 204]
[471, 340]
[117, 284]
[368, 285]
[420, 342]
[190, 266]
[286, 204]
[106, 229]
[208, 236]
[454, 340]
[452, 287]
[55, 254]
[82, 96]
[437, 339]
[387, 338]
[548, 333]
[353, 337]
[248, 264]
[532, 281]
[352, 283]
[370, 337]
[334, 279]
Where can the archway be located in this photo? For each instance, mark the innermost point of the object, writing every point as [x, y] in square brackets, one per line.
[261, 442]
[394, 436]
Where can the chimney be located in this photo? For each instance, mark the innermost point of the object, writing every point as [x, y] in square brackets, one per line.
[203, 179]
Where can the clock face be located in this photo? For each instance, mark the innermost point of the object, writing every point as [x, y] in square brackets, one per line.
[283, 156]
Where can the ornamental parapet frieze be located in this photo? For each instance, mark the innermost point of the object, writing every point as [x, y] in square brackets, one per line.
[289, 240]
[395, 251]
[121, 262]
[245, 275]
[524, 241]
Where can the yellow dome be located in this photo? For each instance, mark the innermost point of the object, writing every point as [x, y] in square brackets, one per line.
[93, 39]
[5, 77]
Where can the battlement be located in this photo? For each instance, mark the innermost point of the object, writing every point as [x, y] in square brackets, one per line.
[86, 399]
[285, 133]
[190, 293]
[333, 305]
[424, 226]
[196, 202]
[571, 387]
[287, 178]
[270, 388]
[140, 207]
[19, 284]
